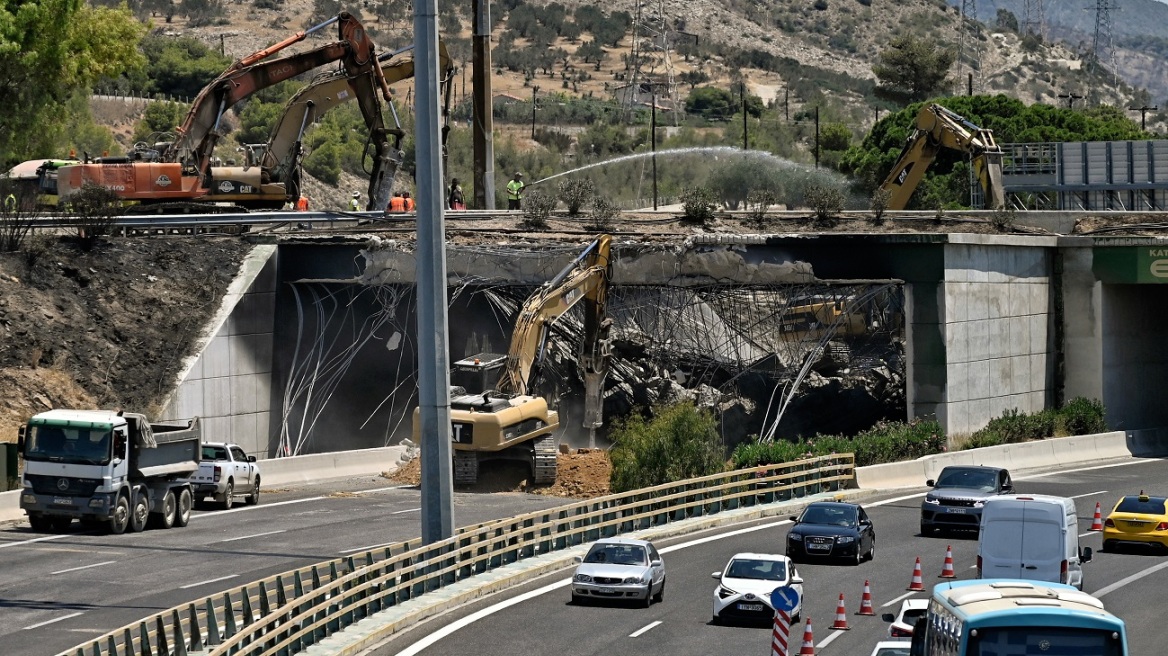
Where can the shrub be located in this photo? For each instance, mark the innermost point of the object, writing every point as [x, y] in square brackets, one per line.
[826, 202]
[757, 203]
[1080, 416]
[575, 194]
[1013, 427]
[537, 208]
[678, 442]
[96, 209]
[697, 205]
[603, 214]
[36, 247]
[1003, 219]
[879, 205]
[884, 442]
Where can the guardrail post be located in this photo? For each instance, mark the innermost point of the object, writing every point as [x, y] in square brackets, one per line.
[180, 643]
[248, 615]
[128, 642]
[213, 637]
[265, 607]
[407, 575]
[144, 636]
[529, 550]
[112, 645]
[281, 596]
[160, 629]
[196, 633]
[229, 628]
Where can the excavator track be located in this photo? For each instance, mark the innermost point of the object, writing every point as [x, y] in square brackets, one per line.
[466, 467]
[543, 460]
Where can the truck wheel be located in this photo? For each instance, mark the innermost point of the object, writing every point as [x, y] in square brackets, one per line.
[139, 513]
[165, 519]
[40, 523]
[254, 497]
[182, 512]
[119, 519]
[229, 495]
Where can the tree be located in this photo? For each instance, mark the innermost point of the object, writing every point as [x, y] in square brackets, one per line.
[50, 49]
[694, 77]
[178, 67]
[679, 442]
[913, 69]
[1006, 20]
[710, 103]
[160, 117]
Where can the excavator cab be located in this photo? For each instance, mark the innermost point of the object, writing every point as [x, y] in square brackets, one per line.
[478, 373]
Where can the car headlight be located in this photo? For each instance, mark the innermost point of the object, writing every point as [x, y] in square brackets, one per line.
[844, 539]
[582, 578]
[795, 537]
[979, 503]
[634, 579]
[932, 501]
[724, 592]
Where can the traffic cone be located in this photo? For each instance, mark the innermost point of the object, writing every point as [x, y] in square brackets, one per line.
[841, 616]
[808, 648]
[947, 569]
[866, 601]
[917, 584]
[1097, 521]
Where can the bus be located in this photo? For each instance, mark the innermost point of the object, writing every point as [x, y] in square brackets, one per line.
[1013, 617]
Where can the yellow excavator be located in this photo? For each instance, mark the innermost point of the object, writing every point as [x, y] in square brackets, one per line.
[493, 412]
[937, 128]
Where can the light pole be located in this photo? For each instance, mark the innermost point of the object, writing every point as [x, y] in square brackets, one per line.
[1143, 115]
[1070, 98]
[745, 145]
[534, 90]
[653, 143]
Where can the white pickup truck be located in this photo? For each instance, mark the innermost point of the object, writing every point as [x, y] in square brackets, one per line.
[224, 472]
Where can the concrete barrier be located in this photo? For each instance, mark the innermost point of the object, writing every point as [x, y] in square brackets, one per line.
[10, 506]
[1078, 450]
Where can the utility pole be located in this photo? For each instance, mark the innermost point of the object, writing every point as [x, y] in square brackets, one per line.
[534, 90]
[817, 136]
[1070, 98]
[745, 145]
[653, 143]
[484, 127]
[786, 104]
[1143, 115]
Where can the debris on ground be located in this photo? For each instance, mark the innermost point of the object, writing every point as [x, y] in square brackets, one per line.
[580, 474]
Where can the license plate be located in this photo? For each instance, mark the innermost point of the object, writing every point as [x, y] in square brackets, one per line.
[607, 591]
[63, 501]
[1136, 524]
[958, 511]
[819, 547]
[751, 607]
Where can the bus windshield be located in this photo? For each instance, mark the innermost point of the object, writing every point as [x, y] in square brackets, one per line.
[1022, 641]
[85, 446]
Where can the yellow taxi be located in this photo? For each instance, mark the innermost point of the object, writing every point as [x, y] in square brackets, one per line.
[1138, 519]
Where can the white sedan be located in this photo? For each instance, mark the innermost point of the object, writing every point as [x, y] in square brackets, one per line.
[891, 648]
[745, 586]
[902, 623]
[620, 569]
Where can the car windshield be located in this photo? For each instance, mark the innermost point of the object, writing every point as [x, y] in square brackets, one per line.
[762, 570]
[616, 554]
[829, 515]
[977, 479]
[68, 444]
[1132, 504]
[214, 452]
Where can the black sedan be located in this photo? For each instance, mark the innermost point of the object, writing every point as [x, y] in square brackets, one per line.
[832, 529]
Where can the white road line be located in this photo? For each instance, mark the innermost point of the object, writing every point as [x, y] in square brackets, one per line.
[827, 641]
[898, 599]
[378, 490]
[76, 569]
[1131, 579]
[45, 623]
[644, 629]
[248, 537]
[1089, 494]
[266, 505]
[372, 546]
[1083, 535]
[402, 512]
[207, 582]
[24, 542]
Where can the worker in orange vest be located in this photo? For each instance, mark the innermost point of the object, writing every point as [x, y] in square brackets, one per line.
[409, 202]
[302, 203]
[397, 203]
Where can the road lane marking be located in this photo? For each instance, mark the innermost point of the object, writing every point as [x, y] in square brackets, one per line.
[1131, 579]
[898, 599]
[76, 569]
[1089, 494]
[23, 542]
[827, 641]
[644, 629]
[207, 582]
[370, 547]
[248, 537]
[379, 490]
[47, 622]
[220, 513]
[401, 512]
[1083, 535]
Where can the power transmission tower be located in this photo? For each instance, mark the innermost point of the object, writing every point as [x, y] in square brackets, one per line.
[650, 58]
[1102, 42]
[968, 53]
[1033, 21]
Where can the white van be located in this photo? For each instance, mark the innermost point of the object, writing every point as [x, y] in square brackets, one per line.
[1031, 536]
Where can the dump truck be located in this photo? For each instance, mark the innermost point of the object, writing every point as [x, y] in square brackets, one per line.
[107, 468]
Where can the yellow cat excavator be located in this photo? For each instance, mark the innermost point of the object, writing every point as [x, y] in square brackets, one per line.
[506, 421]
[937, 128]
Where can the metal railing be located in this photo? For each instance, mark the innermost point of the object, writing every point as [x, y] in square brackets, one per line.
[286, 613]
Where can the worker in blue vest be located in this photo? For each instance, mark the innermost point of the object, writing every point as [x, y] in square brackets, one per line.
[515, 191]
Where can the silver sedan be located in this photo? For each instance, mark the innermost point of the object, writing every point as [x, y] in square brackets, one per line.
[620, 569]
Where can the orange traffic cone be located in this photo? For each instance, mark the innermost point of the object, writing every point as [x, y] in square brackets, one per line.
[947, 569]
[917, 584]
[841, 616]
[808, 648]
[1097, 521]
[866, 601]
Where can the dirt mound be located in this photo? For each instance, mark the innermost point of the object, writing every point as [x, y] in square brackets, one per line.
[582, 474]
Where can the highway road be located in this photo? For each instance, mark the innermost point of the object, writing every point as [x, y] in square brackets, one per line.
[537, 619]
[59, 590]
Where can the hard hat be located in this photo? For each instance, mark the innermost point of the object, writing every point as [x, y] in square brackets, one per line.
[518, 174]
[356, 194]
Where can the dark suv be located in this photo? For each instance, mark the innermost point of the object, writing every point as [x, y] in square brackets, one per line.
[958, 494]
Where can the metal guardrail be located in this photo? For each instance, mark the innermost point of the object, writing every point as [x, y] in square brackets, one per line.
[284, 614]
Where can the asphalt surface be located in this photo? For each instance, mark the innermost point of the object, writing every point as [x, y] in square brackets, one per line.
[536, 618]
[60, 590]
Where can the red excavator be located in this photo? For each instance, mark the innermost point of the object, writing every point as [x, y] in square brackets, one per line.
[172, 175]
